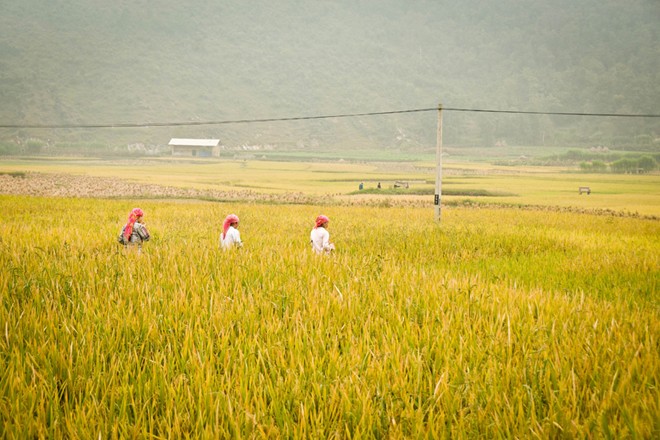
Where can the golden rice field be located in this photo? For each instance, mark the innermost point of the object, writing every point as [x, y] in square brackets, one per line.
[496, 323]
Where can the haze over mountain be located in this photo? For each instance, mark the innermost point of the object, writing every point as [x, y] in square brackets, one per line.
[146, 61]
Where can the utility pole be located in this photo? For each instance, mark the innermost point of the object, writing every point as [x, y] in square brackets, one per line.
[438, 167]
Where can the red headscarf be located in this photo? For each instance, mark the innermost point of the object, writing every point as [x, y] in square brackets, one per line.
[231, 218]
[320, 220]
[132, 217]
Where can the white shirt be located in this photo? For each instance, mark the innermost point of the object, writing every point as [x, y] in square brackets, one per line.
[320, 239]
[232, 238]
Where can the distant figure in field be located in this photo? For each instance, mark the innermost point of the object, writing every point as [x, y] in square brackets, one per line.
[135, 232]
[378, 185]
[320, 237]
[361, 186]
[230, 236]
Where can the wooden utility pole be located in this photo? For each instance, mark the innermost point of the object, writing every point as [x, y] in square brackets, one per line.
[438, 167]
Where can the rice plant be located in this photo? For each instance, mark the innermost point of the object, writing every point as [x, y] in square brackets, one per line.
[496, 323]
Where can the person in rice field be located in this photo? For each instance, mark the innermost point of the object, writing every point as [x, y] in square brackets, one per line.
[230, 236]
[135, 232]
[320, 237]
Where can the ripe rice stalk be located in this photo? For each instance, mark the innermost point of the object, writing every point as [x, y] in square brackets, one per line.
[495, 323]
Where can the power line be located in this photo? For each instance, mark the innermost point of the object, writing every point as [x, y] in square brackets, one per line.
[194, 123]
[610, 115]
[300, 118]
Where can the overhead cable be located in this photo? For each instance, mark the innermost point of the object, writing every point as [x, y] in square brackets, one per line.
[300, 118]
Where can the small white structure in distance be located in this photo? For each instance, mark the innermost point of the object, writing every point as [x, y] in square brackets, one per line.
[195, 147]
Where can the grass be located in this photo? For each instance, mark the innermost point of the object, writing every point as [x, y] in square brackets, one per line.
[496, 323]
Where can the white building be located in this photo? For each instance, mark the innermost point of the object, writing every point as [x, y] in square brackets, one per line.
[195, 147]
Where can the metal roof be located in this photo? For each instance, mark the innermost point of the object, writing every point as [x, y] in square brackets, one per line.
[195, 142]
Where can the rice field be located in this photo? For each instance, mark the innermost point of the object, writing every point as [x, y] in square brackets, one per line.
[496, 323]
[331, 183]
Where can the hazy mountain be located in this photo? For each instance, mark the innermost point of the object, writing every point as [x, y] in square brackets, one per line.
[141, 61]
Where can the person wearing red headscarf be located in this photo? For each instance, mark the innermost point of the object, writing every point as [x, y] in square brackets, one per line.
[320, 237]
[230, 236]
[135, 231]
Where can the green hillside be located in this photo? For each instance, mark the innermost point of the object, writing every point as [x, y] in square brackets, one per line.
[99, 62]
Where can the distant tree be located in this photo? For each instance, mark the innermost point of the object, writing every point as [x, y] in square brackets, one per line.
[576, 155]
[34, 146]
[585, 166]
[624, 166]
[647, 163]
[596, 166]
[8, 149]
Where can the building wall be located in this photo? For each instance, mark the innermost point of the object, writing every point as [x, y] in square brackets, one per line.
[191, 151]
